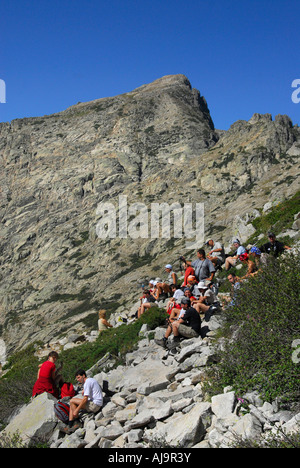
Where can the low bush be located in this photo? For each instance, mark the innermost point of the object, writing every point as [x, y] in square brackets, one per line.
[262, 327]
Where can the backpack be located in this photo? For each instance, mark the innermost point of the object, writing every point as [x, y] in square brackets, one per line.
[67, 390]
[61, 411]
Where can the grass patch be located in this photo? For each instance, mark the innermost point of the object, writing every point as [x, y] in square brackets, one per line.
[278, 219]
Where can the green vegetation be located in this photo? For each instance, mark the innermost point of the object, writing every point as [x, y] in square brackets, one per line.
[264, 324]
[279, 218]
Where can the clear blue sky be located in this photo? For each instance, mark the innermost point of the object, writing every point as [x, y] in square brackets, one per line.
[242, 55]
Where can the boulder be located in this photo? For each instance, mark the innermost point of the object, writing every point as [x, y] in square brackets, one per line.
[184, 430]
[223, 404]
[36, 422]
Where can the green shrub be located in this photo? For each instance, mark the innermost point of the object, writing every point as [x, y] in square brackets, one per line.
[264, 323]
[278, 219]
[116, 341]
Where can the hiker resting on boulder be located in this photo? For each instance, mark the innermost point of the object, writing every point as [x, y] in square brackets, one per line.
[207, 301]
[187, 325]
[147, 303]
[91, 402]
[103, 324]
[48, 377]
[165, 286]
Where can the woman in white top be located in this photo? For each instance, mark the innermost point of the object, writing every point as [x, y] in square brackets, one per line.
[103, 324]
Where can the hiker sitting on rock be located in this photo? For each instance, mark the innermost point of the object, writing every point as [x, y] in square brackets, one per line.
[149, 302]
[91, 402]
[187, 325]
[188, 293]
[103, 324]
[217, 254]
[177, 293]
[188, 271]
[252, 268]
[207, 301]
[239, 250]
[204, 268]
[255, 255]
[274, 247]
[235, 282]
[192, 285]
[48, 377]
[165, 286]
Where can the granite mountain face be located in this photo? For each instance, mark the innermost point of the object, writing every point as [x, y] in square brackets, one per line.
[155, 144]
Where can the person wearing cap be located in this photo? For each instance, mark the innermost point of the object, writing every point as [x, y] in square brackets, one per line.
[165, 287]
[188, 325]
[204, 268]
[239, 250]
[273, 247]
[207, 300]
[256, 255]
[252, 268]
[217, 254]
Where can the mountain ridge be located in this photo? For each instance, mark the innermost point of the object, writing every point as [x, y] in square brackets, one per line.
[155, 144]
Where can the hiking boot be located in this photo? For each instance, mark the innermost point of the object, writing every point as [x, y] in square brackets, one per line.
[70, 429]
[174, 344]
[162, 342]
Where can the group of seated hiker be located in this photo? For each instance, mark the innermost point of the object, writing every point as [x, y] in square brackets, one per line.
[198, 294]
[196, 298]
[50, 380]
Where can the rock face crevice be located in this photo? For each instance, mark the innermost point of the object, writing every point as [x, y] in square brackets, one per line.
[157, 144]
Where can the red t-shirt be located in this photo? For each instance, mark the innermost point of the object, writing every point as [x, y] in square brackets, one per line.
[46, 370]
[188, 272]
[45, 382]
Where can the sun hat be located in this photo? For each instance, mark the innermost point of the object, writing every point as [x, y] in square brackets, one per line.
[202, 285]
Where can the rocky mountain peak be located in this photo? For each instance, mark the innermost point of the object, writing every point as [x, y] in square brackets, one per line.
[156, 143]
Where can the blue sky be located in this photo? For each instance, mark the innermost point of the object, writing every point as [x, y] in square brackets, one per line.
[242, 55]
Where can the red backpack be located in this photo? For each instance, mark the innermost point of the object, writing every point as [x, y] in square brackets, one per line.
[67, 390]
[61, 411]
